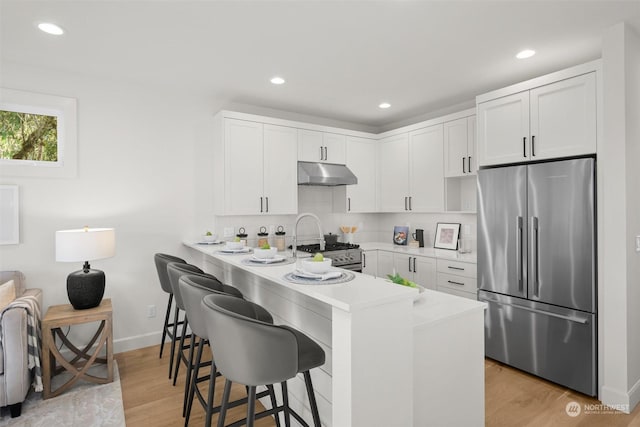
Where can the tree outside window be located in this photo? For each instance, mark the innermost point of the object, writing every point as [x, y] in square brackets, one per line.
[26, 136]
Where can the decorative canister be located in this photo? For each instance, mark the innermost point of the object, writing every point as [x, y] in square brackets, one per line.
[280, 239]
[263, 237]
[242, 235]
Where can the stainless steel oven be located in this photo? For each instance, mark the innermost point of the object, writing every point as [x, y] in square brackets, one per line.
[343, 255]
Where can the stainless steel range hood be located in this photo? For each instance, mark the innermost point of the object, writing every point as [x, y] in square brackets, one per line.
[328, 174]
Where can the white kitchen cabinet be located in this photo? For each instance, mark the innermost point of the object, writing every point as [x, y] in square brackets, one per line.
[459, 147]
[361, 160]
[324, 147]
[457, 278]
[370, 262]
[418, 269]
[259, 169]
[393, 173]
[410, 171]
[385, 263]
[550, 121]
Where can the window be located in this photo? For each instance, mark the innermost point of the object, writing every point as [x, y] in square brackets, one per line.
[37, 135]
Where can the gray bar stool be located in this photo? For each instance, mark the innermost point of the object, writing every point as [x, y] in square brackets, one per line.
[193, 288]
[252, 352]
[161, 261]
[175, 271]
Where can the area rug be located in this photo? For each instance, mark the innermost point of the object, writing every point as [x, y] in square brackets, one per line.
[84, 405]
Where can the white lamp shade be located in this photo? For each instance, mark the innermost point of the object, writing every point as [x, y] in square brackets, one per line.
[85, 244]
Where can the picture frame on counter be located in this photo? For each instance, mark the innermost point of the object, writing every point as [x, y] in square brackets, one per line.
[447, 236]
[400, 235]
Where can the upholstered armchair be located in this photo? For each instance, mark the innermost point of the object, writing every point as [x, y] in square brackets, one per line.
[15, 375]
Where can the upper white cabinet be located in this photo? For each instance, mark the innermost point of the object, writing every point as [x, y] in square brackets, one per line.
[410, 171]
[325, 147]
[459, 147]
[549, 121]
[361, 160]
[256, 169]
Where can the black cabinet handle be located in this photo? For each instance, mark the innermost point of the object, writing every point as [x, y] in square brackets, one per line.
[455, 283]
[348, 204]
[364, 260]
[524, 146]
[267, 203]
[455, 268]
[409, 264]
[463, 171]
[405, 203]
[321, 153]
[533, 145]
[261, 205]
[414, 265]
[326, 153]
[469, 164]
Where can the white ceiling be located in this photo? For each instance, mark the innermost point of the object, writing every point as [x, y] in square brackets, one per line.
[340, 58]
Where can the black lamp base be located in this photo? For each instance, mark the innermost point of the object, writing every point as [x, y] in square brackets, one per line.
[85, 288]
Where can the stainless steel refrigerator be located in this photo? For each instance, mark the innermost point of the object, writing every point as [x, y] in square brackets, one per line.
[537, 269]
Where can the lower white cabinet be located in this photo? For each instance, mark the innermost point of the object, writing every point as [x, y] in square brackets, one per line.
[418, 269]
[370, 262]
[457, 278]
[385, 263]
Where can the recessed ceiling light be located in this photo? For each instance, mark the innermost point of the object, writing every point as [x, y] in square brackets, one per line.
[50, 28]
[277, 80]
[384, 105]
[527, 53]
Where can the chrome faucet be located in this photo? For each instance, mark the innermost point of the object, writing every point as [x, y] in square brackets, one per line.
[295, 233]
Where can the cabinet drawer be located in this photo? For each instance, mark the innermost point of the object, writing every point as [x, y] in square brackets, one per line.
[457, 268]
[458, 293]
[467, 284]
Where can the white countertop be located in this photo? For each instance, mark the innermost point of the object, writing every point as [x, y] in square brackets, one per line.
[428, 252]
[363, 291]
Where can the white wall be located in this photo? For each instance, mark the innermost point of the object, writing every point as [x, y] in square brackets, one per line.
[135, 173]
[619, 199]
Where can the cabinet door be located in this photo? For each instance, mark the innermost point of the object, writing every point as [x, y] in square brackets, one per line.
[280, 170]
[424, 273]
[310, 145]
[456, 134]
[426, 179]
[361, 158]
[370, 263]
[503, 130]
[403, 265]
[385, 264]
[563, 118]
[393, 173]
[334, 148]
[243, 167]
[472, 162]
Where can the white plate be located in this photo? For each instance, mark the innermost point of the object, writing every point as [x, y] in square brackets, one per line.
[331, 274]
[235, 251]
[217, 242]
[275, 259]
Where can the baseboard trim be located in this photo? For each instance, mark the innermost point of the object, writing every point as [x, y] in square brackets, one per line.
[136, 341]
[616, 399]
[634, 396]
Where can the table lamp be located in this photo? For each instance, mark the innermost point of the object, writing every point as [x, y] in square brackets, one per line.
[85, 287]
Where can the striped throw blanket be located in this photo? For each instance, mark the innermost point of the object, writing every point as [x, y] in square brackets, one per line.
[34, 335]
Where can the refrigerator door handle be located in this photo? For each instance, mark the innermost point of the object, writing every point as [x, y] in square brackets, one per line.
[535, 256]
[519, 252]
[582, 321]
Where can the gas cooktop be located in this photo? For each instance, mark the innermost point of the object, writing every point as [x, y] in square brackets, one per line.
[328, 247]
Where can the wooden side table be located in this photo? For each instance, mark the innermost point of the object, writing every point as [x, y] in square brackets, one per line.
[59, 316]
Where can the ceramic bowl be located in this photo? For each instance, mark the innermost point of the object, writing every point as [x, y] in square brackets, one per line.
[235, 245]
[209, 239]
[317, 267]
[265, 253]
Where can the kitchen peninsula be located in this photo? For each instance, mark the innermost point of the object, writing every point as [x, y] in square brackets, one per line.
[390, 360]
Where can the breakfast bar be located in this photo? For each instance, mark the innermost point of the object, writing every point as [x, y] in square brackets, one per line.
[391, 353]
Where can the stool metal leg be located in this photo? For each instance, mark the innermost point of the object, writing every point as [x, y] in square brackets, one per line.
[285, 404]
[194, 382]
[251, 405]
[274, 404]
[312, 399]
[212, 387]
[187, 381]
[179, 356]
[225, 403]
[173, 339]
[166, 324]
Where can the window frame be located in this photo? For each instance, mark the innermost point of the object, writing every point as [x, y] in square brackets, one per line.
[65, 111]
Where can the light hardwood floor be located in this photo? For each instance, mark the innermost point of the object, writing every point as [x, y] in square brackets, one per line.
[512, 398]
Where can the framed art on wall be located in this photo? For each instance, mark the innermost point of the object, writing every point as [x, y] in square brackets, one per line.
[447, 236]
